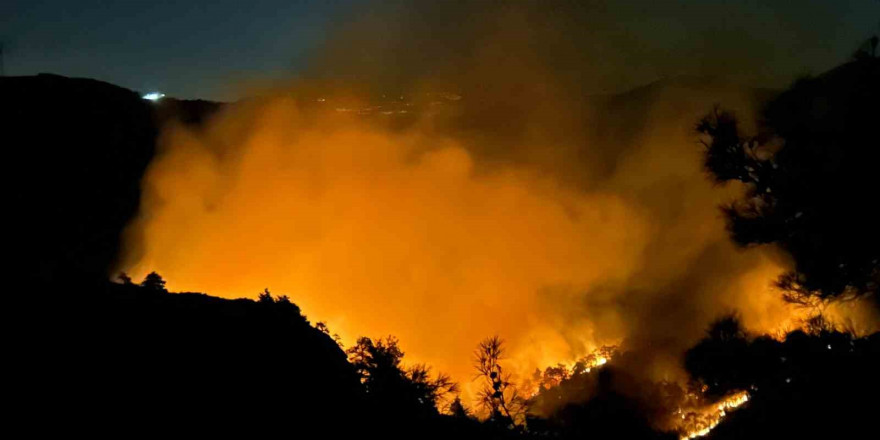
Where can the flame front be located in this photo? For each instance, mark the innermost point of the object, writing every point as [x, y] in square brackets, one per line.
[700, 422]
[489, 196]
[410, 232]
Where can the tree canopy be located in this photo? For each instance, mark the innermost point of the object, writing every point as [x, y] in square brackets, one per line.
[811, 177]
[389, 385]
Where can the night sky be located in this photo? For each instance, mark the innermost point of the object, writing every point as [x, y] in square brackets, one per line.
[200, 48]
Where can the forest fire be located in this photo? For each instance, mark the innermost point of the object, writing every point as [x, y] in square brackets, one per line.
[454, 210]
[379, 230]
[700, 423]
[554, 376]
[458, 220]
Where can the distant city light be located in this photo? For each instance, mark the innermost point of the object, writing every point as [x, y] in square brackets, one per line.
[154, 96]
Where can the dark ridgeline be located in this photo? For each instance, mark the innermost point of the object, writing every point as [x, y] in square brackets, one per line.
[120, 358]
[94, 356]
[192, 113]
[76, 150]
[192, 363]
[104, 357]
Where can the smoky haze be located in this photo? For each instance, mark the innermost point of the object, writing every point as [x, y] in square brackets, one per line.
[444, 174]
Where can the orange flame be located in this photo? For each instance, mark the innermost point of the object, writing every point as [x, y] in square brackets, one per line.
[487, 197]
[700, 422]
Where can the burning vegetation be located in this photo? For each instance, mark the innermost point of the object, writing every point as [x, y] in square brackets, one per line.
[506, 202]
[493, 196]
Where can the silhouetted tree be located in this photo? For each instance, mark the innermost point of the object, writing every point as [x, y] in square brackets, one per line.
[281, 306]
[720, 360]
[430, 390]
[407, 392]
[727, 328]
[154, 282]
[322, 327]
[811, 179]
[868, 49]
[266, 297]
[125, 279]
[457, 409]
[553, 376]
[498, 395]
[285, 306]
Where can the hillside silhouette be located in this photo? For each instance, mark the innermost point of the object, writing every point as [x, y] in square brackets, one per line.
[77, 150]
[117, 357]
[149, 356]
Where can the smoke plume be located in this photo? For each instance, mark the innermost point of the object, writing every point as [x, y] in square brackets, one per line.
[444, 176]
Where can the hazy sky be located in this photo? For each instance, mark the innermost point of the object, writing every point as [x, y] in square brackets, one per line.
[197, 48]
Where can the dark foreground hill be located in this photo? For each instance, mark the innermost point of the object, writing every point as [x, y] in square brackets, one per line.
[119, 358]
[76, 150]
[133, 359]
[188, 359]
[102, 358]
[93, 356]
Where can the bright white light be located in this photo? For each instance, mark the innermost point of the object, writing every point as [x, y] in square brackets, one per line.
[154, 96]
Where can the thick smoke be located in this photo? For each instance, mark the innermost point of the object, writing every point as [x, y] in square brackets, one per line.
[444, 176]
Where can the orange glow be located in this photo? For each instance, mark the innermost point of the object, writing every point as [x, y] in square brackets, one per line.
[487, 197]
[379, 231]
[698, 423]
[372, 236]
